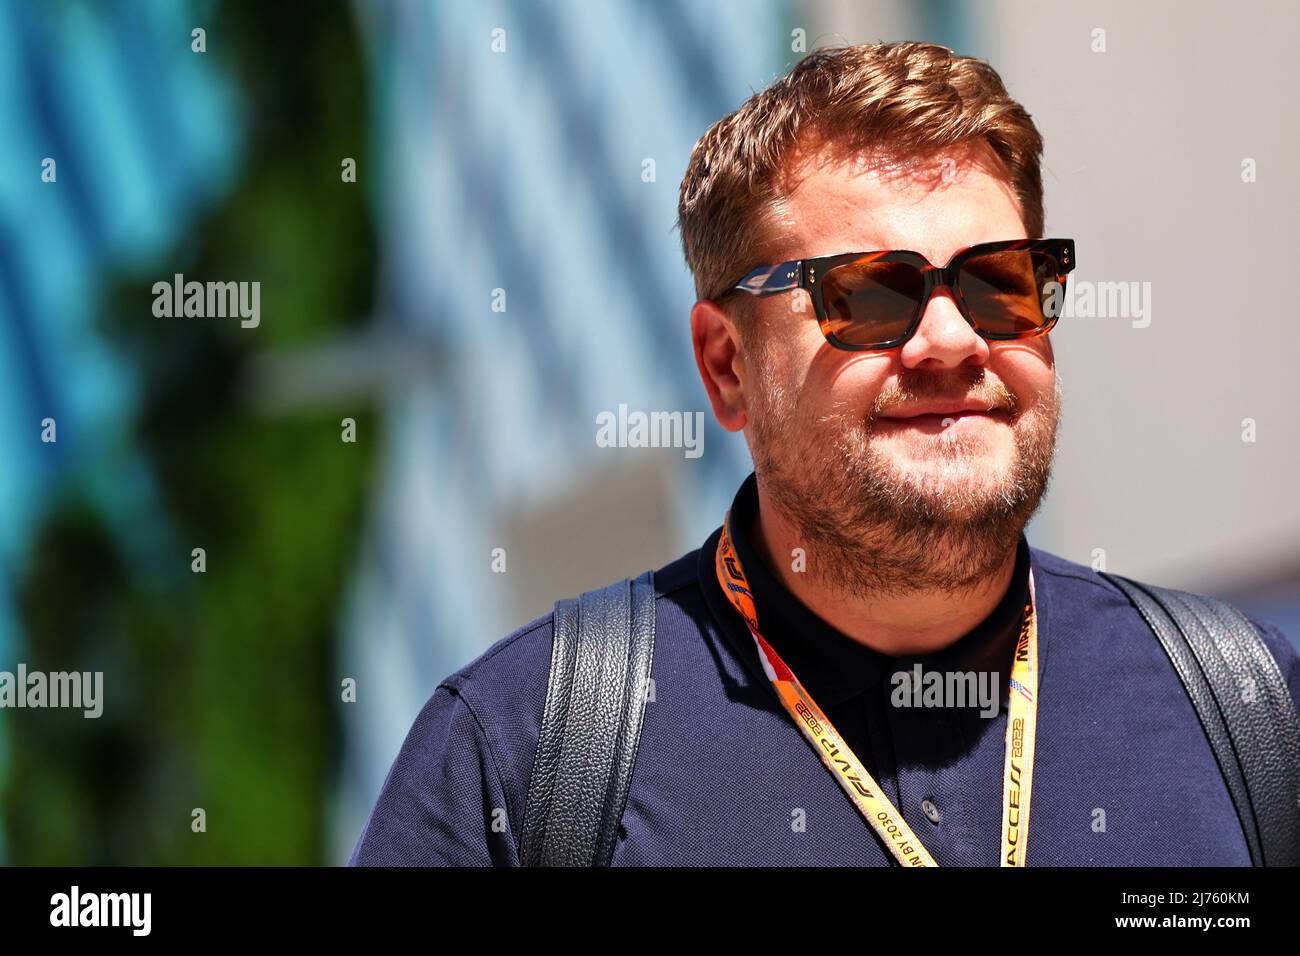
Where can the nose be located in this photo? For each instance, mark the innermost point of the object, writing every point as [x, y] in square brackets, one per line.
[944, 339]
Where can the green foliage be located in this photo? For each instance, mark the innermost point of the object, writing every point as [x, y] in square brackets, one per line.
[220, 688]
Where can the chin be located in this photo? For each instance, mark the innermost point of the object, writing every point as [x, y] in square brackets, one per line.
[979, 475]
[955, 460]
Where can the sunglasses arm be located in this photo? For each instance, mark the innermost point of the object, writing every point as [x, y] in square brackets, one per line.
[767, 280]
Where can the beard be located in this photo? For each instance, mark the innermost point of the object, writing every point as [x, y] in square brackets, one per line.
[873, 526]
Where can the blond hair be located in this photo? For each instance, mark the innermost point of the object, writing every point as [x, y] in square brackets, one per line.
[900, 100]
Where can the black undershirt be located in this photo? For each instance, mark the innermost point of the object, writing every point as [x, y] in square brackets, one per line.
[852, 683]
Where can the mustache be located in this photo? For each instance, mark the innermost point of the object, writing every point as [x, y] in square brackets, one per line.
[994, 395]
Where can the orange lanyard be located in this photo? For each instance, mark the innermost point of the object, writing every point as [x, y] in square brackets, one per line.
[848, 770]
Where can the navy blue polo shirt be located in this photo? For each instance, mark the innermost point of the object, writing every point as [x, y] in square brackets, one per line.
[1123, 773]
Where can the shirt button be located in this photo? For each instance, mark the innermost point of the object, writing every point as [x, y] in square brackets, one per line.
[930, 810]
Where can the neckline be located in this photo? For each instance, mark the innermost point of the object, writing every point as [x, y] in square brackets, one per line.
[831, 665]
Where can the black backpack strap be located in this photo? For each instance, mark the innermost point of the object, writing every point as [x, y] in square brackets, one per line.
[1244, 706]
[595, 702]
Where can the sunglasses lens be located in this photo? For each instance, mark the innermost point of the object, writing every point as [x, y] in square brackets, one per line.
[1011, 293]
[869, 303]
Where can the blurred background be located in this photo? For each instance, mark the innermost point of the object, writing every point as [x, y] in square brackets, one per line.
[503, 269]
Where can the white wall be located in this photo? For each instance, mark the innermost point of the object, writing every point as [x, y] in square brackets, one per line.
[1143, 168]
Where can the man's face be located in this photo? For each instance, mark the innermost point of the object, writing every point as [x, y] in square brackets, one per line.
[897, 503]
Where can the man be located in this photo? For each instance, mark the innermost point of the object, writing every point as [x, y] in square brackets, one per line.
[875, 294]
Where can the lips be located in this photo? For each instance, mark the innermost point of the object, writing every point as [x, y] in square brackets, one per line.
[941, 409]
[936, 422]
[948, 416]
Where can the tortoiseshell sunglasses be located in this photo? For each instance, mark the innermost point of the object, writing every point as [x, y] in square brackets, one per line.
[1013, 289]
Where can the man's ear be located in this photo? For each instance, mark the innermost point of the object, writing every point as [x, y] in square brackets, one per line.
[717, 355]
